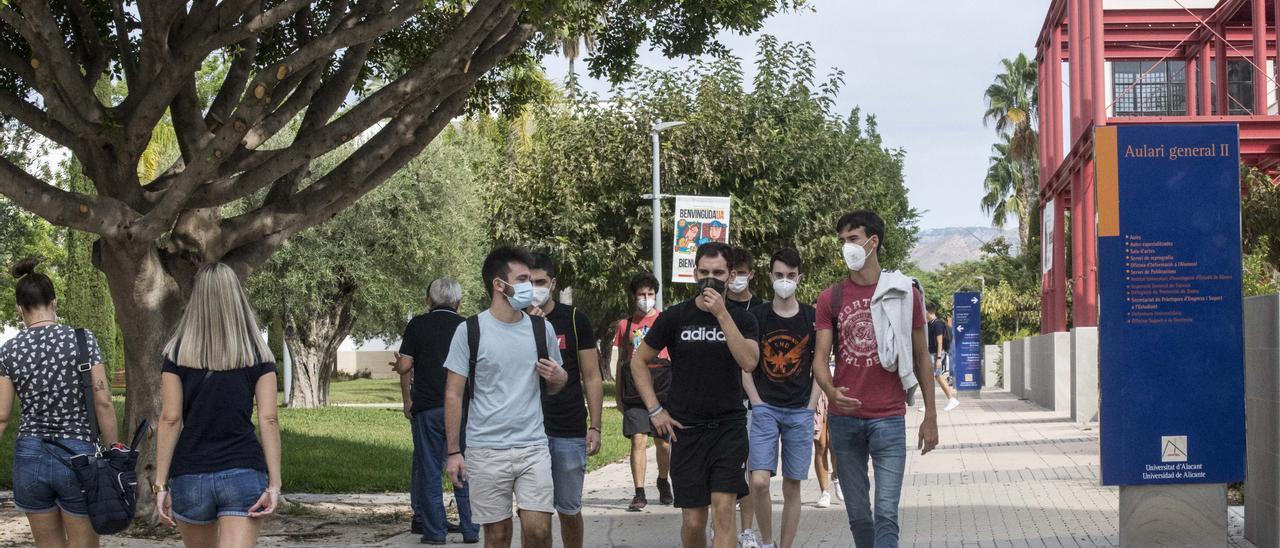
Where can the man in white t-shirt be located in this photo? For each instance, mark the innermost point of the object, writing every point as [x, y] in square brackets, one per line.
[507, 453]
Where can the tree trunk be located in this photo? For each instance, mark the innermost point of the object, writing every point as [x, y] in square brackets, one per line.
[148, 301]
[606, 351]
[313, 340]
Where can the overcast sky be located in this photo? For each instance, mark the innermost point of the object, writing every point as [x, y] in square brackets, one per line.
[921, 68]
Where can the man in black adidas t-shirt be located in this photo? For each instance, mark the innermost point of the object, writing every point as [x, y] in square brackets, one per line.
[710, 346]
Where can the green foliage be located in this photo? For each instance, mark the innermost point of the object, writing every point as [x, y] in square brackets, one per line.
[1009, 286]
[790, 163]
[1260, 223]
[86, 302]
[22, 234]
[425, 222]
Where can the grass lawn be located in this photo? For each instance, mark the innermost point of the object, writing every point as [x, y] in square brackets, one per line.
[365, 391]
[345, 449]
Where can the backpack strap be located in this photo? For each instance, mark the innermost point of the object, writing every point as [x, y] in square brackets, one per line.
[837, 302]
[540, 340]
[473, 344]
[85, 366]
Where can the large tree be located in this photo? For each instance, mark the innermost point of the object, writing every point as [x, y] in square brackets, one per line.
[362, 273]
[317, 61]
[791, 163]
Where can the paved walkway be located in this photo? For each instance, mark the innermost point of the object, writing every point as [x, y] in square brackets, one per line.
[1006, 473]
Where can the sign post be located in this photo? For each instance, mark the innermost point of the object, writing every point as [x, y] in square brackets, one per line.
[1170, 339]
[699, 219]
[966, 352]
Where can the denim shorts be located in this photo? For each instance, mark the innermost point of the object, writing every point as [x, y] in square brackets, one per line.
[786, 428]
[42, 483]
[568, 470]
[201, 499]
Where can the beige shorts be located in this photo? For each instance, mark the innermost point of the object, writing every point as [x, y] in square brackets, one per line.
[495, 475]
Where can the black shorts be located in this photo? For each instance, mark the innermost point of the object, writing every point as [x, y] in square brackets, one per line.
[635, 420]
[709, 459]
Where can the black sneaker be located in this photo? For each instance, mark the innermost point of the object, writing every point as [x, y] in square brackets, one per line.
[637, 504]
[466, 540]
[452, 527]
[664, 492]
[431, 541]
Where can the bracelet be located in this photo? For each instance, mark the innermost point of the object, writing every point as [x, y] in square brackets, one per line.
[455, 453]
[655, 411]
[594, 428]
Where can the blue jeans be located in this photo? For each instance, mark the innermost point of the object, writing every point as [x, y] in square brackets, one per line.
[430, 455]
[853, 440]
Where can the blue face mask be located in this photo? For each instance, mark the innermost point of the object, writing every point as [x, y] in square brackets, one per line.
[523, 296]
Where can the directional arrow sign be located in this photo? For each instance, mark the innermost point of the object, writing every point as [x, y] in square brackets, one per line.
[966, 352]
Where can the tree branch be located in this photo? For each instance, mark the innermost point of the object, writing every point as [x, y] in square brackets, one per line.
[481, 24]
[94, 55]
[57, 75]
[103, 216]
[237, 76]
[128, 58]
[38, 120]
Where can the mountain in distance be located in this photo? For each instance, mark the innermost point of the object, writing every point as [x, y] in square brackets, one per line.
[936, 247]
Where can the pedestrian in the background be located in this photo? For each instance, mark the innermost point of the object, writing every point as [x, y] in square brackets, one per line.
[938, 355]
[41, 365]
[874, 321]
[740, 296]
[564, 415]
[213, 476]
[643, 290]
[423, 349]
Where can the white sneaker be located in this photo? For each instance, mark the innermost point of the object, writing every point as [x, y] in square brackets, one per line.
[835, 486]
[747, 539]
[824, 501]
[954, 403]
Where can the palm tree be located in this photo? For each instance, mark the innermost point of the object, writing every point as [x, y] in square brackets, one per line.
[1003, 184]
[1011, 108]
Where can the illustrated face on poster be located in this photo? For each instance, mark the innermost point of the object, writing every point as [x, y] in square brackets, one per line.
[715, 232]
[690, 236]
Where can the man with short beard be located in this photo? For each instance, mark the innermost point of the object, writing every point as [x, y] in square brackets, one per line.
[710, 346]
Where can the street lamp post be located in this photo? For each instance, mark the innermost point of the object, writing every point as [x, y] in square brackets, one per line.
[657, 205]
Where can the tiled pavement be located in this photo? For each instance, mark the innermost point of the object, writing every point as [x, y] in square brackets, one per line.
[1006, 473]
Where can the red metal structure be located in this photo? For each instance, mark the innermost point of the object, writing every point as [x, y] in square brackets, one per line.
[1140, 62]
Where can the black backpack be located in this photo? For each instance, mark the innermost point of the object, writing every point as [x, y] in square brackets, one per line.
[107, 479]
[659, 372]
[473, 342]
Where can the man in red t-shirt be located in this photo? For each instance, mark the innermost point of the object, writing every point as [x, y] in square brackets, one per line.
[867, 396]
[636, 427]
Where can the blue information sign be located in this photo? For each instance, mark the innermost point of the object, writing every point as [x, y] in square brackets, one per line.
[1170, 343]
[966, 353]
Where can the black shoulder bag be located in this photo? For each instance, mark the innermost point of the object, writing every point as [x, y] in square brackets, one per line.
[107, 479]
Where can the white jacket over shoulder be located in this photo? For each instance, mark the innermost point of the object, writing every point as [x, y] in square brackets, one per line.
[893, 313]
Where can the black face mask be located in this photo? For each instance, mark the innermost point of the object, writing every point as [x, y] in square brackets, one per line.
[713, 283]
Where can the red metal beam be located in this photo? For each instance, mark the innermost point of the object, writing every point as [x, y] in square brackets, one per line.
[1260, 81]
[1097, 63]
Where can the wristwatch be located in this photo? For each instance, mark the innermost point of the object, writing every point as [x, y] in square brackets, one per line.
[159, 488]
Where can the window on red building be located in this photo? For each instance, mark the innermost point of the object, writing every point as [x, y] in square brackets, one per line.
[1148, 88]
[1239, 87]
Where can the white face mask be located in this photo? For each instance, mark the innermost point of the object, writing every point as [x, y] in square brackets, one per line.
[541, 295]
[645, 304]
[784, 288]
[855, 256]
[739, 284]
